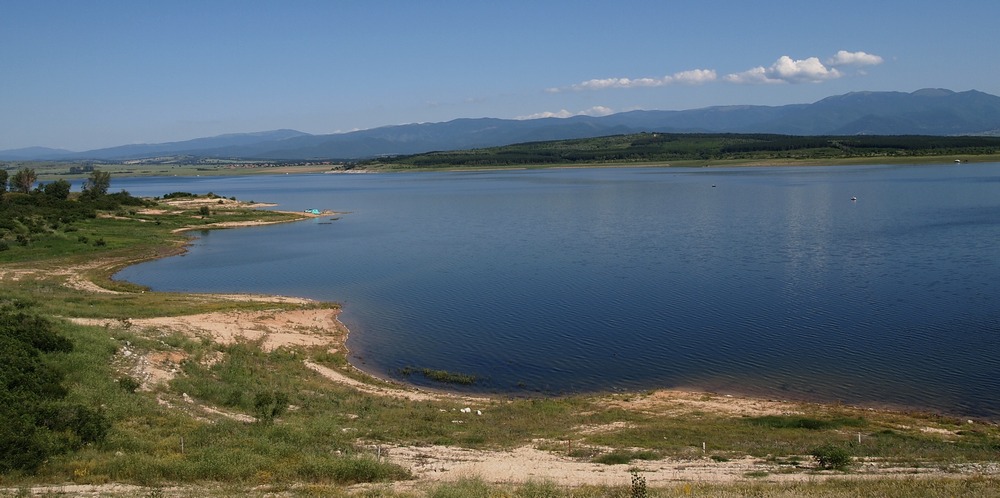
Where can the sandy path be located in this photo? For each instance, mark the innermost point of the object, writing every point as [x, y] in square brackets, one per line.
[527, 464]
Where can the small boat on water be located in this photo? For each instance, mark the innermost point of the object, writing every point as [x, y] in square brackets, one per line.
[854, 198]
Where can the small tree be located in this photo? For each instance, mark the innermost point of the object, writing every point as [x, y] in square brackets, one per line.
[58, 189]
[97, 184]
[23, 180]
[3, 182]
[204, 211]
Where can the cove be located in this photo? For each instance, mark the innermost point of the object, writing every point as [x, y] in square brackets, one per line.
[762, 281]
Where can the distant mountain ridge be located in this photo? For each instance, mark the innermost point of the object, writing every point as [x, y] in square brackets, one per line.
[923, 112]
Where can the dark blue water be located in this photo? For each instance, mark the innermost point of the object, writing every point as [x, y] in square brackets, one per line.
[767, 281]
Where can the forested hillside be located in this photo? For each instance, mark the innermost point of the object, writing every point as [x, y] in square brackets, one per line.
[672, 147]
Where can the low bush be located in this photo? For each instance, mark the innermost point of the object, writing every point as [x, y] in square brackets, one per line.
[831, 456]
[38, 421]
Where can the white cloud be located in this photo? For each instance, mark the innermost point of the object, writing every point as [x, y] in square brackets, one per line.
[845, 58]
[598, 110]
[691, 77]
[547, 114]
[787, 70]
[694, 76]
[783, 70]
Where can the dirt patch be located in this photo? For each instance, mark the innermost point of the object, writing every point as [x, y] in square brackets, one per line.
[528, 463]
[667, 401]
[273, 328]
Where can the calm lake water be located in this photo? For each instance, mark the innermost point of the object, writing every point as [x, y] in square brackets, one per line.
[764, 281]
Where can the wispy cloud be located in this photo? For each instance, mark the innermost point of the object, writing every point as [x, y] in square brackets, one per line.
[784, 70]
[692, 77]
[599, 110]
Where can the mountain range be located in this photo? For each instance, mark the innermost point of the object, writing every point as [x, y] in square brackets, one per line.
[923, 112]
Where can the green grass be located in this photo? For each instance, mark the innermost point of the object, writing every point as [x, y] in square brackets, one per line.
[619, 457]
[442, 376]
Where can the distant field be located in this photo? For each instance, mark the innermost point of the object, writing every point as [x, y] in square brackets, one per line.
[642, 149]
[667, 149]
[49, 171]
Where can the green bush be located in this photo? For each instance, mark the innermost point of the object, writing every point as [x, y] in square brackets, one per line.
[38, 421]
[129, 384]
[831, 456]
[269, 405]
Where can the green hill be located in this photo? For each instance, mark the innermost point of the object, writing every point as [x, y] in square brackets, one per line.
[685, 148]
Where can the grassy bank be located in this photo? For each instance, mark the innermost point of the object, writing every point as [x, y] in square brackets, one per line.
[237, 417]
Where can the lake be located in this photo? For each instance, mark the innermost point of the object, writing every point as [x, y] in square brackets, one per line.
[762, 281]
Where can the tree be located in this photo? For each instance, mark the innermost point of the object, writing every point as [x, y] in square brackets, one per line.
[97, 184]
[23, 180]
[58, 189]
[3, 181]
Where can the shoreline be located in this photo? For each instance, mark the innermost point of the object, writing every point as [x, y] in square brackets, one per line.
[306, 323]
[447, 391]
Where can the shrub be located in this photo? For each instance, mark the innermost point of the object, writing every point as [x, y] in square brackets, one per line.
[830, 456]
[638, 489]
[129, 384]
[38, 421]
[269, 405]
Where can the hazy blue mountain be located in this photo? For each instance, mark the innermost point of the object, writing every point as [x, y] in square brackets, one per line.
[32, 153]
[187, 147]
[924, 112]
[192, 147]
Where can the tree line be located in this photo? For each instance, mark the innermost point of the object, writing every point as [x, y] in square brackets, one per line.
[667, 147]
[23, 180]
[29, 211]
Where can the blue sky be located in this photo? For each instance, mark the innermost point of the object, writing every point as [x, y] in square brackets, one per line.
[82, 75]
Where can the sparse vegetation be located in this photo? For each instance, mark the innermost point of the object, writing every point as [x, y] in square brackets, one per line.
[442, 376]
